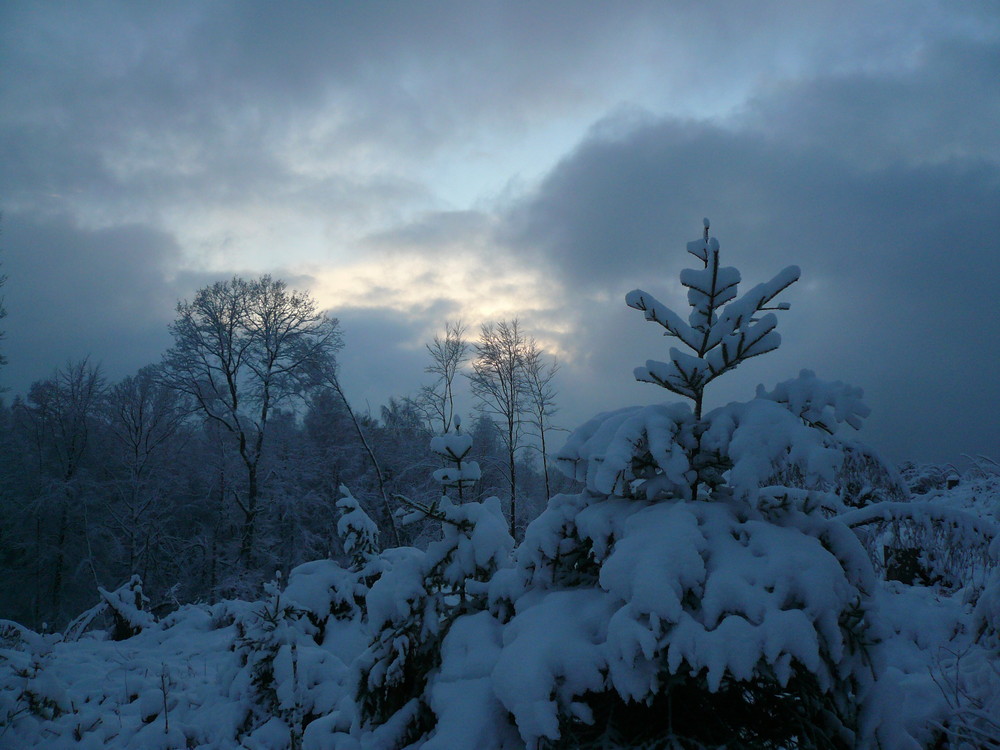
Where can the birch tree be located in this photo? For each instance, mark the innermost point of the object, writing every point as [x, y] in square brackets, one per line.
[448, 354]
[499, 383]
[540, 374]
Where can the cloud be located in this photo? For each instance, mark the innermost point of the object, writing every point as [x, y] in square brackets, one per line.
[940, 109]
[412, 163]
[116, 106]
[897, 237]
[73, 292]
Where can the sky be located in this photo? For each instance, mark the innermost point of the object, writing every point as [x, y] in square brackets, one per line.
[415, 163]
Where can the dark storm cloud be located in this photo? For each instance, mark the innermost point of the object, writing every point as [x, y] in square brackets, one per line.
[897, 227]
[133, 102]
[107, 98]
[945, 107]
[379, 354]
[107, 294]
[73, 292]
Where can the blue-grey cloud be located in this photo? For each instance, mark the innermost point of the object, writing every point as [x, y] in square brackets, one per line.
[860, 143]
[73, 292]
[897, 237]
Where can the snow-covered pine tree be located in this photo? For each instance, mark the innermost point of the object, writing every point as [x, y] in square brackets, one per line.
[359, 536]
[293, 647]
[283, 675]
[454, 448]
[688, 597]
[418, 597]
[722, 330]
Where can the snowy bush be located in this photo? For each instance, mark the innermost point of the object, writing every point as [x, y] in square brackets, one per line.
[968, 677]
[419, 596]
[28, 693]
[922, 479]
[283, 671]
[927, 543]
[127, 606]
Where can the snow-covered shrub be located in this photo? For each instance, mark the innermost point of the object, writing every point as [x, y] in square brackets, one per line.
[27, 690]
[359, 535]
[693, 594]
[865, 478]
[124, 609]
[418, 597]
[287, 667]
[969, 678]
[284, 677]
[922, 479]
[127, 605]
[985, 469]
[927, 543]
[357, 531]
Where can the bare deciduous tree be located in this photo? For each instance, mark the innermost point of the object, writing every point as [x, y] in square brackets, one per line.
[61, 412]
[540, 372]
[499, 383]
[143, 417]
[241, 349]
[448, 354]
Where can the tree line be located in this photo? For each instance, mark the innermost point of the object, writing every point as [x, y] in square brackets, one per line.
[206, 472]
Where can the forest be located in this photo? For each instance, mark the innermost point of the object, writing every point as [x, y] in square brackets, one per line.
[208, 471]
[222, 551]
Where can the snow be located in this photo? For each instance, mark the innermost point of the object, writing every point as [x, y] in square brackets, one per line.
[761, 593]
[462, 696]
[708, 290]
[818, 403]
[455, 446]
[126, 604]
[450, 476]
[357, 531]
[600, 452]
[551, 653]
[111, 692]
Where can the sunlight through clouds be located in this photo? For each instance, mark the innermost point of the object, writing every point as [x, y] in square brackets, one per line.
[493, 160]
[413, 284]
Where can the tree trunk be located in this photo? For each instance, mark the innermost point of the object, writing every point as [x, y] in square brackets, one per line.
[545, 462]
[57, 576]
[513, 479]
[250, 515]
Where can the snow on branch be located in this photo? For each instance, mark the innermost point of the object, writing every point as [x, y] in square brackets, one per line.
[963, 528]
[126, 604]
[657, 312]
[723, 329]
[822, 404]
[357, 531]
[636, 451]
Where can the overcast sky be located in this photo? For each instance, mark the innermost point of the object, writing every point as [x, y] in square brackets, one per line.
[412, 163]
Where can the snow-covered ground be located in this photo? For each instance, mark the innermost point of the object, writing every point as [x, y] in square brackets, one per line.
[186, 681]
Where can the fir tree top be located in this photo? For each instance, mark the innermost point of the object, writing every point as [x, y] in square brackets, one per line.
[722, 330]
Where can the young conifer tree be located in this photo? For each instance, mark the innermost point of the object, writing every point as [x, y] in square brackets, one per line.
[722, 330]
[690, 596]
[420, 594]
